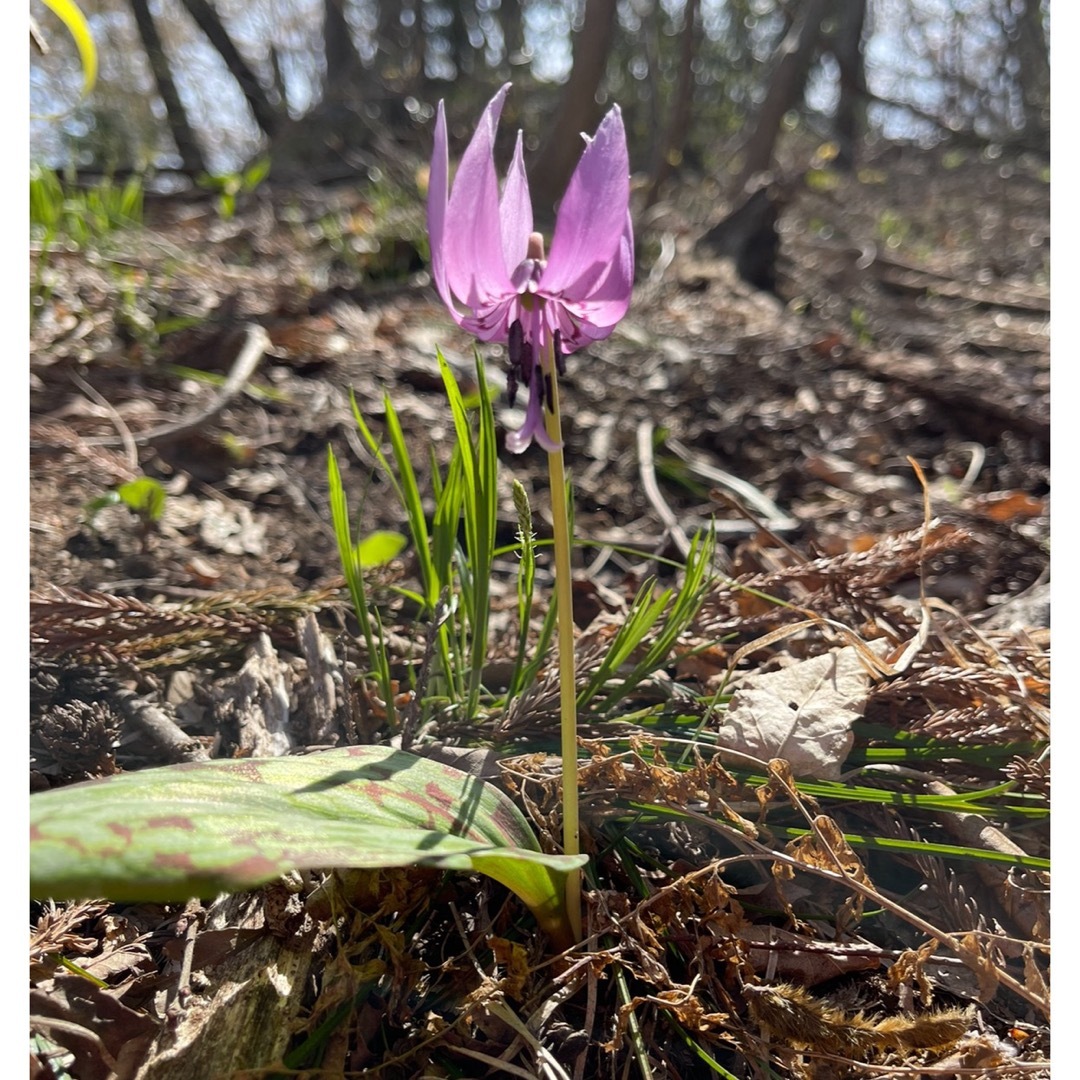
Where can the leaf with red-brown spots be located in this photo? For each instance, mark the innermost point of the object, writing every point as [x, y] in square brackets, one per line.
[201, 828]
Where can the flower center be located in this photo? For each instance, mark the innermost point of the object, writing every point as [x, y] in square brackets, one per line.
[526, 278]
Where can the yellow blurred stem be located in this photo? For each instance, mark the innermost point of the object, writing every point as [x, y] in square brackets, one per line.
[565, 615]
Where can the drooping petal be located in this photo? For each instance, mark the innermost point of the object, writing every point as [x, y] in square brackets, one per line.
[515, 212]
[484, 258]
[472, 236]
[533, 428]
[592, 217]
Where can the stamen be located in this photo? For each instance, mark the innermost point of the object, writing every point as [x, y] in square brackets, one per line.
[548, 397]
[515, 341]
[526, 364]
[560, 360]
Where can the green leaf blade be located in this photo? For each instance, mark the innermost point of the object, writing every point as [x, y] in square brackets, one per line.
[206, 827]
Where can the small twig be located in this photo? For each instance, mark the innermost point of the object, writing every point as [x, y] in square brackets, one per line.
[127, 440]
[256, 342]
[775, 518]
[647, 471]
[734, 501]
[161, 728]
[183, 983]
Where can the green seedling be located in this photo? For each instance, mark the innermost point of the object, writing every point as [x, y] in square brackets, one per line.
[231, 185]
[145, 497]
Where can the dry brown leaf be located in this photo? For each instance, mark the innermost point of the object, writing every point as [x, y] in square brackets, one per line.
[1007, 506]
[971, 951]
[778, 954]
[514, 959]
[802, 713]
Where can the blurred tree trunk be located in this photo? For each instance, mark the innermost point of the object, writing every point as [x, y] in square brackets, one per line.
[182, 133]
[650, 32]
[1033, 51]
[512, 21]
[674, 140]
[786, 83]
[266, 116]
[387, 67]
[847, 47]
[342, 59]
[578, 110]
[413, 48]
[463, 52]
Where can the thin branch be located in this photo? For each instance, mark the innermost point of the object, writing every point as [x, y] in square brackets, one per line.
[256, 342]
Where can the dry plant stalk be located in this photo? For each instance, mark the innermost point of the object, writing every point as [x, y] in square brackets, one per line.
[795, 1018]
[854, 582]
[96, 627]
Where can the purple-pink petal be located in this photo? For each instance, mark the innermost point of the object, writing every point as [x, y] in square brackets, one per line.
[602, 294]
[592, 214]
[491, 322]
[515, 212]
[533, 428]
[476, 272]
[438, 181]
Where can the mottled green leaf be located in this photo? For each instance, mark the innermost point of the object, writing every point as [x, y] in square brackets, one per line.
[202, 828]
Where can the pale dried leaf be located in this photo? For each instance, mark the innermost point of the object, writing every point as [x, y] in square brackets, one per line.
[802, 713]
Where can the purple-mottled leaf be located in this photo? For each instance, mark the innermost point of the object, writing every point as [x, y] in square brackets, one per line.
[201, 828]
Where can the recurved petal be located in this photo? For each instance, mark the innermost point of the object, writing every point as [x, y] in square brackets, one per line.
[492, 321]
[438, 180]
[515, 212]
[472, 235]
[592, 216]
[601, 295]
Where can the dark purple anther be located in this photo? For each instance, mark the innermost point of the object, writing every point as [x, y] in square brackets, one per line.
[560, 360]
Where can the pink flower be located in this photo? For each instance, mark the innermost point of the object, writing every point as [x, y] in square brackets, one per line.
[486, 258]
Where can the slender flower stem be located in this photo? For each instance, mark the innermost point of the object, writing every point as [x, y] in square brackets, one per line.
[564, 594]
